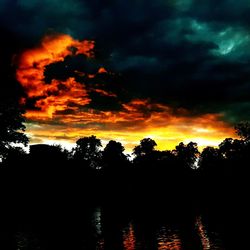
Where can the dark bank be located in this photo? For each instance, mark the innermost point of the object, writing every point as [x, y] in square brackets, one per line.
[99, 199]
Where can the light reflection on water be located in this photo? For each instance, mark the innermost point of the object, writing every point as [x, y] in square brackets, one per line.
[129, 241]
[26, 241]
[168, 239]
[206, 241]
[161, 237]
[203, 234]
[100, 244]
[97, 223]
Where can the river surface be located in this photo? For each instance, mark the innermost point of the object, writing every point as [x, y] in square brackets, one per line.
[103, 228]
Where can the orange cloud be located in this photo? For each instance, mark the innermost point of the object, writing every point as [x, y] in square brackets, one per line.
[138, 120]
[52, 49]
[58, 95]
[61, 111]
[105, 93]
[102, 70]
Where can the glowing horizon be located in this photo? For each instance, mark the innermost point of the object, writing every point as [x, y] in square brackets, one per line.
[60, 110]
[166, 138]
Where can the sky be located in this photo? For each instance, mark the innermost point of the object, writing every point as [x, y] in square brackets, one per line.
[171, 70]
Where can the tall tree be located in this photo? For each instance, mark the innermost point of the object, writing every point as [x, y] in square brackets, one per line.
[187, 154]
[210, 159]
[113, 156]
[146, 148]
[145, 154]
[49, 154]
[11, 127]
[243, 130]
[231, 149]
[88, 150]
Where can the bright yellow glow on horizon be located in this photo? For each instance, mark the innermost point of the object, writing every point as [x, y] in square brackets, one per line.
[166, 137]
[61, 111]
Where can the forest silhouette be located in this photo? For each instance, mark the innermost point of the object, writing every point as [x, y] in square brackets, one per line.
[184, 171]
[50, 185]
[215, 176]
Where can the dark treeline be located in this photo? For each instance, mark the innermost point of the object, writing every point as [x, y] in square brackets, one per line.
[53, 191]
[53, 186]
[50, 187]
[182, 173]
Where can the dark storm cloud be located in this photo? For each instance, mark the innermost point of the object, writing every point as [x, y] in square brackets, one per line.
[71, 67]
[103, 88]
[31, 18]
[104, 103]
[227, 11]
[185, 53]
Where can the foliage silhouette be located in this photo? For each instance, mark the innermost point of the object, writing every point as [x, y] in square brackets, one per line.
[113, 157]
[210, 158]
[11, 128]
[151, 174]
[146, 148]
[243, 130]
[88, 151]
[52, 154]
[187, 154]
[145, 154]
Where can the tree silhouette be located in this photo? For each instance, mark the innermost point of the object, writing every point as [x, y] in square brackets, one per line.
[145, 163]
[113, 156]
[187, 154]
[166, 162]
[88, 150]
[14, 155]
[210, 155]
[243, 130]
[146, 148]
[52, 154]
[232, 149]
[210, 160]
[11, 127]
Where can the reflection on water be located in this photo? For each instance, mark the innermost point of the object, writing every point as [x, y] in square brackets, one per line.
[129, 241]
[100, 244]
[97, 224]
[203, 234]
[208, 242]
[26, 241]
[104, 231]
[168, 239]
[97, 221]
[22, 241]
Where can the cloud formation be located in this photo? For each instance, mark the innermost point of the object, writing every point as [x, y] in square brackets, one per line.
[66, 102]
[184, 53]
[181, 55]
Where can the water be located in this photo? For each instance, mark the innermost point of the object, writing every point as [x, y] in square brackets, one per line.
[110, 229]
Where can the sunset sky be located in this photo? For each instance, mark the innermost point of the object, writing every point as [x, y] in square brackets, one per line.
[171, 70]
